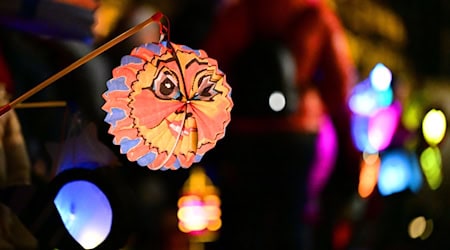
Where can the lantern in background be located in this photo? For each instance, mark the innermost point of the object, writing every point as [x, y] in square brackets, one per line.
[94, 206]
[199, 211]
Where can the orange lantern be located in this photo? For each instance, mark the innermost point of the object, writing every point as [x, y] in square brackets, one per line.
[199, 211]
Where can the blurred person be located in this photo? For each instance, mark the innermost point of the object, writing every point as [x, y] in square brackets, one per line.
[267, 158]
[15, 172]
[39, 38]
[15, 166]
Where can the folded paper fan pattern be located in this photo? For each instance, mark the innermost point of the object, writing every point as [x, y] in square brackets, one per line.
[167, 105]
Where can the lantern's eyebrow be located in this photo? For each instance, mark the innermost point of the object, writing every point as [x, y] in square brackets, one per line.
[158, 63]
[197, 61]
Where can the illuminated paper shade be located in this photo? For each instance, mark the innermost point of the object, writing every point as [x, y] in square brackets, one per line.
[167, 105]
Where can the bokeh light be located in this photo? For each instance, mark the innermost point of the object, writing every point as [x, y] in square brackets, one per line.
[277, 101]
[434, 126]
[191, 214]
[363, 100]
[417, 227]
[197, 214]
[359, 129]
[385, 98]
[382, 126]
[368, 176]
[399, 171]
[375, 114]
[431, 163]
[420, 227]
[410, 116]
[380, 77]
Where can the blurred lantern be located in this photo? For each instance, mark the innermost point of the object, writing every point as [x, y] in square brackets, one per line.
[375, 113]
[85, 211]
[399, 170]
[94, 211]
[199, 211]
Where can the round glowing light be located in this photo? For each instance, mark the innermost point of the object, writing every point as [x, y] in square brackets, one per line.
[380, 77]
[195, 214]
[277, 101]
[212, 200]
[420, 227]
[215, 225]
[434, 125]
[193, 218]
[399, 170]
[417, 227]
[392, 179]
[362, 102]
[212, 212]
[85, 212]
[431, 162]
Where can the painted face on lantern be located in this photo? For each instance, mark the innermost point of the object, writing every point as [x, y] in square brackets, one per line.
[175, 103]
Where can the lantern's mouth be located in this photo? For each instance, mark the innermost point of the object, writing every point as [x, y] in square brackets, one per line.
[175, 126]
[178, 127]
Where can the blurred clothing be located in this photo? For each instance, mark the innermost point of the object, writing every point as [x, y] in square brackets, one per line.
[266, 159]
[314, 36]
[15, 170]
[262, 183]
[13, 234]
[15, 166]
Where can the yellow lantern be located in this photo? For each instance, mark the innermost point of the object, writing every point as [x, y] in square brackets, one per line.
[199, 212]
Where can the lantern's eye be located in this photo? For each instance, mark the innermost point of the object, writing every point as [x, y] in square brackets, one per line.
[166, 87]
[205, 90]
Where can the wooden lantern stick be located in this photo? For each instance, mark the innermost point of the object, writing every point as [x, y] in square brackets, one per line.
[47, 104]
[156, 17]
